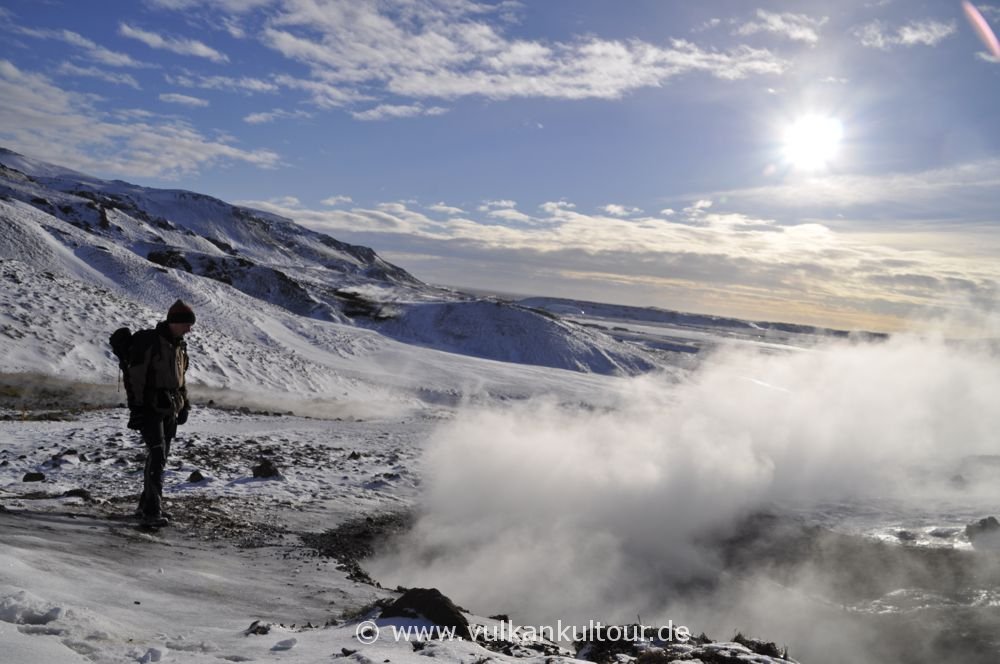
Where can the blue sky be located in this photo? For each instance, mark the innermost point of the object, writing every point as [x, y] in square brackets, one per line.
[638, 152]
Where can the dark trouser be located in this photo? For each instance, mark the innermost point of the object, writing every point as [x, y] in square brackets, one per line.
[157, 433]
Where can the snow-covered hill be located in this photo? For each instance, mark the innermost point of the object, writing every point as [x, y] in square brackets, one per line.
[280, 307]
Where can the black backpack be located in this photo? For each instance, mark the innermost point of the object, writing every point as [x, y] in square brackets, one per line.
[122, 340]
[121, 347]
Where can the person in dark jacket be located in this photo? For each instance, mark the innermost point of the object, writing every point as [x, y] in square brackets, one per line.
[158, 361]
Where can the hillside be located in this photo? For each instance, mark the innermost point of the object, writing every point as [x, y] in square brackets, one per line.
[280, 307]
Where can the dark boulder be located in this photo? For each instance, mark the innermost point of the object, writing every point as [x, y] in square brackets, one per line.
[266, 470]
[984, 533]
[33, 477]
[432, 605]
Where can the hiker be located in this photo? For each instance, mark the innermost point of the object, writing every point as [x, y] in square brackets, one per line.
[157, 361]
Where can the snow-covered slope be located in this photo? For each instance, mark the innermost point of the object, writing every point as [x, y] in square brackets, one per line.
[280, 307]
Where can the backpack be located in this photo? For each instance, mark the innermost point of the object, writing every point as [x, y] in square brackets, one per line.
[122, 340]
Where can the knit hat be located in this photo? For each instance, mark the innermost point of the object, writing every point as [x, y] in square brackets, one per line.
[180, 313]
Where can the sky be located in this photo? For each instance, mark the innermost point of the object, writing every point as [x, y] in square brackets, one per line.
[828, 163]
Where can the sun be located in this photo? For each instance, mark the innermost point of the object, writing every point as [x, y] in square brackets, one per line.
[811, 142]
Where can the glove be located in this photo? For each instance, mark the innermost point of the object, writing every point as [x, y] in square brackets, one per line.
[135, 419]
[182, 416]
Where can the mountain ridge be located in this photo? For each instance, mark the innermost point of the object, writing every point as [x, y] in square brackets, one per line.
[260, 279]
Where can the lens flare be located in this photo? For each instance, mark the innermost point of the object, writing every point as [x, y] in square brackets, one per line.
[982, 28]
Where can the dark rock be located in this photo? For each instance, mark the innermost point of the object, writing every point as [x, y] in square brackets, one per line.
[984, 533]
[78, 493]
[761, 647]
[904, 536]
[258, 628]
[266, 470]
[596, 646]
[353, 456]
[943, 532]
[431, 604]
[33, 477]
[196, 476]
[4, 463]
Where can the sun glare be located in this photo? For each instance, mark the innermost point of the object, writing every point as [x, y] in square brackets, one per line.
[811, 142]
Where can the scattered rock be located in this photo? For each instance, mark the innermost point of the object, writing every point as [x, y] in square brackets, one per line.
[196, 476]
[78, 493]
[943, 532]
[432, 605]
[33, 477]
[266, 470]
[760, 647]
[152, 655]
[257, 627]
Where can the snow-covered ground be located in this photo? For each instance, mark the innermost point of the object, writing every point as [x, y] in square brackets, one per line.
[80, 582]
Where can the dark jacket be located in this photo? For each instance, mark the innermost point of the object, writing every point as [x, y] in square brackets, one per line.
[157, 364]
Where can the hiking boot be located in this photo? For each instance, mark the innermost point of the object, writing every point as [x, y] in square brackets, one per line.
[164, 513]
[154, 521]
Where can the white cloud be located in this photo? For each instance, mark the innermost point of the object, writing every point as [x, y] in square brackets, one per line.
[181, 46]
[697, 208]
[333, 201]
[445, 209]
[725, 257]
[69, 69]
[707, 25]
[616, 210]
[91, 49]
[668, 212]
[386, 111]
[39, 118]
[798, 27]
[973, 182]
[446, 50]
[185, 100]
[989, 11]
[324, 94]
[245, 84]
[236, 6]
[510, 214]
[276, 114]
[503, 203]
[927, 32]
[554, 207]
